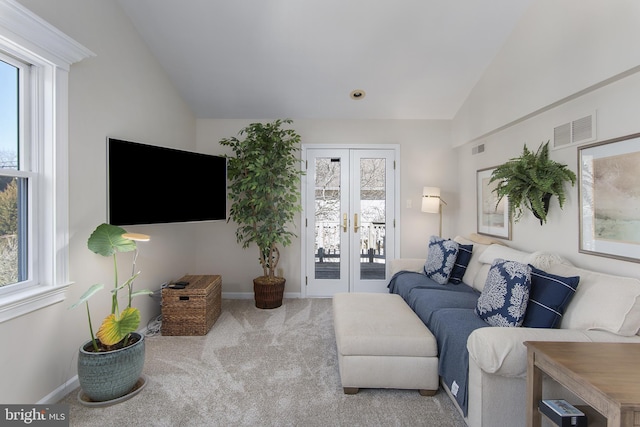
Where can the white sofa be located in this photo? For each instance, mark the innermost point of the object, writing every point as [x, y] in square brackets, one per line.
[605, 308]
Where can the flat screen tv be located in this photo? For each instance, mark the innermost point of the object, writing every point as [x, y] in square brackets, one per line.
[147, 184]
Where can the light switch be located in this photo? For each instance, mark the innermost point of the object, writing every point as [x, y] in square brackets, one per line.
[408, 203]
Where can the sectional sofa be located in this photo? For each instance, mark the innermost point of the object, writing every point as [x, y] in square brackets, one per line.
[483, 367]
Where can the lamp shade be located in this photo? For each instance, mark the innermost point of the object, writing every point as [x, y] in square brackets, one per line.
[137, 237]
[431, 199]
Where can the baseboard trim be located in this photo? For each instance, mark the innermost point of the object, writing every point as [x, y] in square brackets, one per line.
[61, 392]
[249, 295]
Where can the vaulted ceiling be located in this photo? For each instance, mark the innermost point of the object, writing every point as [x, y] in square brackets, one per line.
[301, 59]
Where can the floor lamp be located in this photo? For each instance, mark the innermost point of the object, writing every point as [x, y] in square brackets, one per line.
[432, 203]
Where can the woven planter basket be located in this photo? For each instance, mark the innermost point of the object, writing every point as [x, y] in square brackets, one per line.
[268, 293]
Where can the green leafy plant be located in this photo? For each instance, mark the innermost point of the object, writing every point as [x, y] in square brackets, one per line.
[264, 176]
[107, 240]
[530, 180]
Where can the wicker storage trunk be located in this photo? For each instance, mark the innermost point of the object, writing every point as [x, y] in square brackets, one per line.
[194, 309]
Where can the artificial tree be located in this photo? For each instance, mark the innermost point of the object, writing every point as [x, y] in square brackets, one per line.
[264, 179]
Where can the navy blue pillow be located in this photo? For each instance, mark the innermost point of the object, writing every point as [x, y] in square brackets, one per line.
[549, 297]
[460, 266]
[503, 300]
[440, 259]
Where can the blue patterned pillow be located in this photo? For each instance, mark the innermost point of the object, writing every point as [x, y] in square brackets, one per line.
[460, 266]
[549, 297]
[441, 256]
[504, 298]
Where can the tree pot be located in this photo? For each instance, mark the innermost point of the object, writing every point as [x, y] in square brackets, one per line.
[109, 375]
[268, 292]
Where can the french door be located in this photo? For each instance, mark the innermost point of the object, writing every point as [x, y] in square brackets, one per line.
[350, 212]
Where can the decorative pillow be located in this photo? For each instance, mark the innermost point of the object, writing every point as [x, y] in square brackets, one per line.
[504, 298]
[441, 256]
[549, 296]
[462, 261]
[604, 302]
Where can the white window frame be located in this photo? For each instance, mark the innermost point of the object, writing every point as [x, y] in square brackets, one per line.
[28, 38]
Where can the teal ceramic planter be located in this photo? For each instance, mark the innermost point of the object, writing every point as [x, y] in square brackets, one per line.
[109, 375]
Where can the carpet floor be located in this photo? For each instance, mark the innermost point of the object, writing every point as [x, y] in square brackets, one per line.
[260, 368]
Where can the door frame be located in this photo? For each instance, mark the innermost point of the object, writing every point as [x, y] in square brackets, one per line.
[303, 199]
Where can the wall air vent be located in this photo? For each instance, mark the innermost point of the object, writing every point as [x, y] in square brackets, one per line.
[478, 149]
[575, 132]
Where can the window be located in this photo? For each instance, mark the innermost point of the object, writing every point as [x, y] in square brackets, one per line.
[16, 176]
[34, 65]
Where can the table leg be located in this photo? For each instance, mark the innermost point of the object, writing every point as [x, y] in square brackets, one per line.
[534, 390]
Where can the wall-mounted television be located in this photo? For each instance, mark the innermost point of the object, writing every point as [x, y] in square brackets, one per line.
[147, 184]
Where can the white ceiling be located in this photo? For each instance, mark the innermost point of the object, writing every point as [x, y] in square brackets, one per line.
[300, 59]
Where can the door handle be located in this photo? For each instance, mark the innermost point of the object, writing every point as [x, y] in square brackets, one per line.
[344, 222]
[355, 223]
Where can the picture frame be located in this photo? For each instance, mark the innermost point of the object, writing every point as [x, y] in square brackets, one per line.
[609, 196]
[492, 217]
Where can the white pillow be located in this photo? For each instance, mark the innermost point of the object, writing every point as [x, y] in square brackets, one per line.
[503, 252]
[543, 260]
[601, 302]
[474, 265]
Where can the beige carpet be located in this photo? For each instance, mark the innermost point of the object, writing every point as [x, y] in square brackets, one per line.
[260, 368]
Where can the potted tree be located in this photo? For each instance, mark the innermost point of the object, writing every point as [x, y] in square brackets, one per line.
[529, 182]
[110, 363]
[264, 176]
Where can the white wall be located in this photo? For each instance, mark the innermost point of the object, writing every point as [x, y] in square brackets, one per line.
[599, 32]
[559, 49]
[121, 92]
[425, 159]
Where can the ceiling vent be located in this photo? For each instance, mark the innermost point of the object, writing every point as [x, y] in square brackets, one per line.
[575, 132]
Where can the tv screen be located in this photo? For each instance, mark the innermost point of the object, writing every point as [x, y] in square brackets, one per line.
[154, 185]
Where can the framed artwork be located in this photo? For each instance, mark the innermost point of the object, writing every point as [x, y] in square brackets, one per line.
[493, 220]
[609, 194]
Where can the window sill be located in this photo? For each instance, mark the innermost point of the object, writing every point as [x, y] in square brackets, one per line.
[20, 303]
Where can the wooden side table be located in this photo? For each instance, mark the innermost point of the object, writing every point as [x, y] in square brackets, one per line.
[605, 375]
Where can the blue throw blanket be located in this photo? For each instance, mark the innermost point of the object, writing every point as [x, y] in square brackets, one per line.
[404, 281]
[448, 312]
[452, 327]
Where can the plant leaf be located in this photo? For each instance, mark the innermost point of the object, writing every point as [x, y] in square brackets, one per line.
[107, 239]
[115, 329]
[88, 294]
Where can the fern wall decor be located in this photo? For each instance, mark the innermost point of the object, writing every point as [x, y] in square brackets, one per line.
[529, 182]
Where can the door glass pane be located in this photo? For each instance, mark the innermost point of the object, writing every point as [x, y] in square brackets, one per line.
[372, 218]
[328, 219]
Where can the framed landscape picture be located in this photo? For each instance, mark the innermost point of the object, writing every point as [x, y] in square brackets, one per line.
[609, 193]
[493, 217]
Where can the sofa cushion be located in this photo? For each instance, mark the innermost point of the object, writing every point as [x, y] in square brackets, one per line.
[503, 252]
[491, 253]
[550, 294]
[462, 261]
[441, 256]
[602, 302]
[425, 302]
[474, 265]
[404, 282]
[503, 301]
